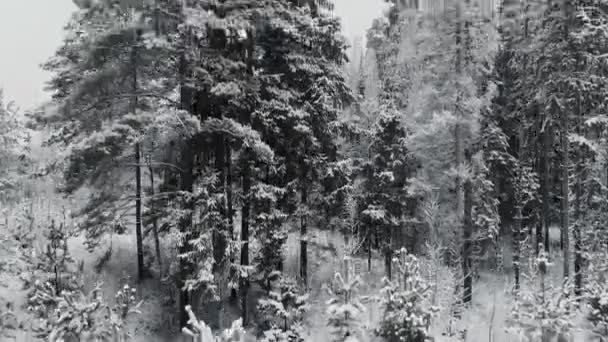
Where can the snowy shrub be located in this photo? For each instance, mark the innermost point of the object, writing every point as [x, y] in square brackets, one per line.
[76, 316]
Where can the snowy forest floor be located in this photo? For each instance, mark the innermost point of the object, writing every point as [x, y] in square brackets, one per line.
[484, 321]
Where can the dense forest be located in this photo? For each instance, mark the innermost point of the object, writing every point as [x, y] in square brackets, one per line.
[236, 170]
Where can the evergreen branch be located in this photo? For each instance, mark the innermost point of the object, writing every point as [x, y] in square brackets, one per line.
[122, 96]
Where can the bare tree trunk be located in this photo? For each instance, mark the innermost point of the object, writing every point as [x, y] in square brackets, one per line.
[457, 129]
[545, 183]
[245, 234]
[517, 246]
[580, 162]
[567, 12]
[304, 237]
[155, 227]
[565, 205]
[388, 255]
[466, 237]
[139, 238]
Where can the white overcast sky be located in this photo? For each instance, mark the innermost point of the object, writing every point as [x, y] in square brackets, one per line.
[30, 31]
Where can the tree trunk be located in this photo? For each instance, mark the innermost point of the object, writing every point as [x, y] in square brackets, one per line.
[517, 246]
[185, 224]
[567, 14]
[580, 162]
[369, 251]
[245, 234]
[466, 237]
[186, 185]
[388, 256]
[545, 183]
[565, 205]
[220, 241]
[155, 228]
[304, 238]
[138, 234]
[457, 129]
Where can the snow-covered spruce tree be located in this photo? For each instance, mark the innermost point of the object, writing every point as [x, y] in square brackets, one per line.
[283, 312]
[542, 310]
[405, 301]
[345, 307]
[303, 88]
[386, 204]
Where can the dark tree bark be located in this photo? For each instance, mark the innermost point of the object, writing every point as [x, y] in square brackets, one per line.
[186, 185]
[220, 241]
[517, 245]
[546, 136]
[580, 162]
[466, 237]
[134, 104]
[565, 204]
[388, 252]
[155, 227]
[245, 234]
[304, 237]
[185, 227]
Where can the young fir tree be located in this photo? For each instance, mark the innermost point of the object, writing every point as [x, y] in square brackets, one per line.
[283, 312]
[345, 307]
[407, 311]
[542, 310]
